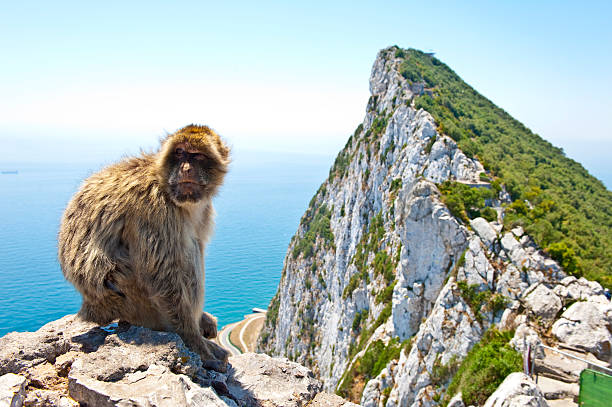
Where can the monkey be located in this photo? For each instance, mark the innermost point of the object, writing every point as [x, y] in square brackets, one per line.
[132, 239]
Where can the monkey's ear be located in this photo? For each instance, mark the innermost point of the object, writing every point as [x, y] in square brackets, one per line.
[224, 150]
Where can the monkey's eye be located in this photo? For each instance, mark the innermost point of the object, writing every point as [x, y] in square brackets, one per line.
[199, 157]
[179, 152]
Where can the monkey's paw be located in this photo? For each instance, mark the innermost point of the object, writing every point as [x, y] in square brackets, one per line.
[208, 325]
[214, 357]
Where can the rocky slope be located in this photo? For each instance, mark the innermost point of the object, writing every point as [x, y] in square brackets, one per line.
[384, 292]
[70, 363]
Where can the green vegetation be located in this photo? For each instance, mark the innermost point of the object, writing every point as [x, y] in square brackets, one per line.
[430, 144]
[440, 372]
[369, 243]
[386, 295]
[485, 367]
[373, 361]
[271, 318]
[384, 265]
[569, 212]
[477, 299]
[318, 225]
[466, 202]
[343, 159]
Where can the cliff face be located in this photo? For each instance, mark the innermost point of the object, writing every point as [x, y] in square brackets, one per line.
[382, 286]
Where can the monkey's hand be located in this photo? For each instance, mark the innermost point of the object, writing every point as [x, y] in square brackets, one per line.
[208, 325]
[213, 356]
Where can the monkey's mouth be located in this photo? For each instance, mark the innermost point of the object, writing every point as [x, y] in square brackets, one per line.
[187, 191]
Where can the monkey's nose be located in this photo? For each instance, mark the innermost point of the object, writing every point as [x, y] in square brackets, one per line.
[186, 168]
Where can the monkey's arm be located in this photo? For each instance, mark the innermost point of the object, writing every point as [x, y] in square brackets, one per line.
[175, 280]
[91, 249]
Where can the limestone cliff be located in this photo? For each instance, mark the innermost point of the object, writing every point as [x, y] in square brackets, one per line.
[381, 274]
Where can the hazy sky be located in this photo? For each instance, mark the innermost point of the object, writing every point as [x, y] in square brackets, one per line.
[92, 80]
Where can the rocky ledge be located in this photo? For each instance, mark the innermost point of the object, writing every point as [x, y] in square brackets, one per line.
[69, 362]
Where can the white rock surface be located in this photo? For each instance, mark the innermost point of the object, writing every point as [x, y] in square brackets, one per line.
[543, 302]
[456, 401]
[587, 325]
[12, 390]
[579, 289]
[517, 390]
[484, 229]
[524, 336]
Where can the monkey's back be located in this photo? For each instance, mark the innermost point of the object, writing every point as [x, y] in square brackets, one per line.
[111, 209]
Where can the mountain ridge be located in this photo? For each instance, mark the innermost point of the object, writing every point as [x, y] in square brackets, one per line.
[409, 252]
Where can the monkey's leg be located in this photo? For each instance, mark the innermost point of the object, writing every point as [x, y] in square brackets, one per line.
[101, 312]
[182, 319]
[208, 325]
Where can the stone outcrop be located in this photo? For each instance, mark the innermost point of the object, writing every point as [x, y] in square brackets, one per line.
[69, 361]
[587, 325]
[517, 390]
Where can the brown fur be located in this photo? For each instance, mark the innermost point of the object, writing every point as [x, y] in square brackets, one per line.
[135, 253]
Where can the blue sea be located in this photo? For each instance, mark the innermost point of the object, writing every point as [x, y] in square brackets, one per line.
[258, 210]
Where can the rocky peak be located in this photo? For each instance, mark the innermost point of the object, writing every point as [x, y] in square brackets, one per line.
[388, 284]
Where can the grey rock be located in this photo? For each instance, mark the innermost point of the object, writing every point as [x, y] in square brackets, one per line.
[456, 401]
[525, 336]
[484, 229]
[19, 351]
[12, 390]
[543, 302]
[136, 349]
[274, 382]
[587, 325]
[512, 282]
[330, 400]
[515, 251]
[518, 231]
[68, 362]
[556, 389]
[517, 390]
[578, 289]
[48, 398]
[156, 386]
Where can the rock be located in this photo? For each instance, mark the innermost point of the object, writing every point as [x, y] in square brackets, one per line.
[484, 230]
[516, 390]
[579, 289]
[543, 302]
[330, 400]
[557, 366]
[456, 401]
[68, 362]
[156, 386]
[12, 390]
[587, 325]
[512, 282]
[557, 389]
[518, 231]
[136, 349]
[274, 382]
[19, 351]
[525, 336]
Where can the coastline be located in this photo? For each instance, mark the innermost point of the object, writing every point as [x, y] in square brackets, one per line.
[241, 336]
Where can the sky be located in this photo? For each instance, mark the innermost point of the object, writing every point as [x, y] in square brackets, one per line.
[87, 81]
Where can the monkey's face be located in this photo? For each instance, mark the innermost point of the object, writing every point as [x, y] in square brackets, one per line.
[194, 174]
